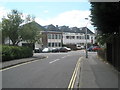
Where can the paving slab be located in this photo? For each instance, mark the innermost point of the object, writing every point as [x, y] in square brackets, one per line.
[96, 73]
[19, 61]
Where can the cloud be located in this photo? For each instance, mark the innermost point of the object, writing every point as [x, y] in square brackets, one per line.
[3, 12]
[45, 11]
[44, 0]
[60, 0]
[69, 18]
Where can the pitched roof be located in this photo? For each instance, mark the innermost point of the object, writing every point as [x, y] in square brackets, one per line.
[83, 30]
[35, 24]
[52, 28]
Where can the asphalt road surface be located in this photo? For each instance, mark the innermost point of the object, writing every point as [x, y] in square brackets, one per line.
[55, 71]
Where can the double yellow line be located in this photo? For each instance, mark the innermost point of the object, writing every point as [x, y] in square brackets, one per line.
[73, 79]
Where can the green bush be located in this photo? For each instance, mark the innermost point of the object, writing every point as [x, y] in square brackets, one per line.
[0, 52]
[102, 53]
[15, 52]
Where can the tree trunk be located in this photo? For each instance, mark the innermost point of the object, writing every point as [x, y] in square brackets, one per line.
[13, 42]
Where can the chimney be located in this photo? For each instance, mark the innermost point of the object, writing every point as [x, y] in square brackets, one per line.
[56, 26]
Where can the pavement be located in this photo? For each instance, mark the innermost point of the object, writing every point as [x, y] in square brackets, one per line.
[19, 61]
[96, 73]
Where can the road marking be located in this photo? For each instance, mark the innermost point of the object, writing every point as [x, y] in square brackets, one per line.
[54, 61]
[72, 86]
[73, 79]
[18, 65]
[64, 57]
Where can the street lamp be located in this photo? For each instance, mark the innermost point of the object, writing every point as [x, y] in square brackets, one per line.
[86, 38]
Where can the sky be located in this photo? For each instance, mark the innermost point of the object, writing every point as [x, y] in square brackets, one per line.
[70, 13]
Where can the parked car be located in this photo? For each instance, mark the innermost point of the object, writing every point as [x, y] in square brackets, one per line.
[37, 50]
[96, 48]
[55, 50]
[63, 49]
[90, 48]
[69, 49]
[45, 50]
[80, 47]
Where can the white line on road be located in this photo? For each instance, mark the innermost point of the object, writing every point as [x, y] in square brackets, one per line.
[54, 61]
[64, 57]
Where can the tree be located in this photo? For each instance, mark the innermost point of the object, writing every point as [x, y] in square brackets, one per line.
[0, 25]
[30, 32]
[105, 16]
[19, 30]
[0, 32]
[10, 26]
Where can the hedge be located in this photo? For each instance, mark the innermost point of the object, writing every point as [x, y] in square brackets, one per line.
[15, 52]
[102, 53]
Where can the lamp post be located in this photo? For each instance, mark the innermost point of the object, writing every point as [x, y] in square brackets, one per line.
[86, 38]
[86, 41]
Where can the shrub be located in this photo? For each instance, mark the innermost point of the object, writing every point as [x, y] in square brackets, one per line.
[15, 52]
[0, 52]
[102, 53]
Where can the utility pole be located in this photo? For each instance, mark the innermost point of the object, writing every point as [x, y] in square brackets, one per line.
[86, 41]
[86, 38]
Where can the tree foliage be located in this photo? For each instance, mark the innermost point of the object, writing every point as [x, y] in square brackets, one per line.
[0, 25]
[0, 33]
[10, 26]
[18, 29]
[105, 16]
[30, 32]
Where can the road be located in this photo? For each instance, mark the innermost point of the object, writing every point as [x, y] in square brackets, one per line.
[55, 71]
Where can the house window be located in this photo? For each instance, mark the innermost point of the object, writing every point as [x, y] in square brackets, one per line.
[49, 36]
[80, 37]
[59, 36]
[52, 36]
[49, 44]
[87, 37]
[67, 37]
[55, 44]
[77, 37]
[52, 44]
[73, 37]
[59, 44]
[56, 36]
